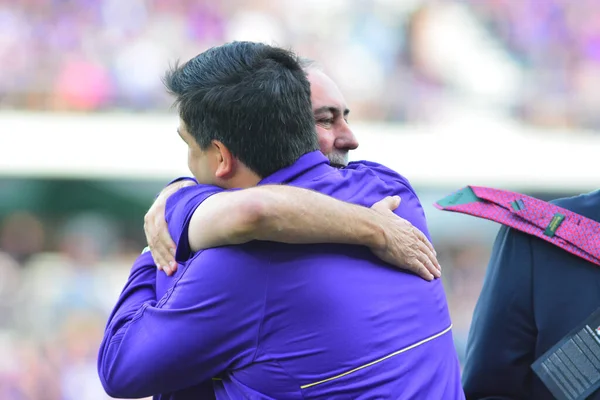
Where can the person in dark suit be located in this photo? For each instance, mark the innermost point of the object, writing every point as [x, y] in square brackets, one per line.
[534, 294]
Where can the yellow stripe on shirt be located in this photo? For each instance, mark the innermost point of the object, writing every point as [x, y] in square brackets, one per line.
[412, 346]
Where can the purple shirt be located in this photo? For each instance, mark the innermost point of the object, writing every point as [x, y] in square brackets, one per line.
[276, 321]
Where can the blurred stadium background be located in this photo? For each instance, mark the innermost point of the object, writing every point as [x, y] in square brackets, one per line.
[501, 93]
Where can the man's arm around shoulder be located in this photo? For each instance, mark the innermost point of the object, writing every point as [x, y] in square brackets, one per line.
[203, 216]
[293, 215]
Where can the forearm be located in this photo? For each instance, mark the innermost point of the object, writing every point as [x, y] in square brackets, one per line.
[138, 291]
[283, 214]
[187, 337]
[292, 215]
[143, 352]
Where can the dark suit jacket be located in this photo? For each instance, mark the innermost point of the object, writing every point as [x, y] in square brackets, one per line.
[534, 294]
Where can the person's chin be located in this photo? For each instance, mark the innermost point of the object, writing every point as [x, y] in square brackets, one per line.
[338, 160]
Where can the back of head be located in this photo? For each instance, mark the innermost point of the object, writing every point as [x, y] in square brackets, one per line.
[252, 97]
[308, 64]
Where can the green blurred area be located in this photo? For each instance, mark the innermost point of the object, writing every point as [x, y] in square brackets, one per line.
[56, 201]
[126, 201]
[120, 199]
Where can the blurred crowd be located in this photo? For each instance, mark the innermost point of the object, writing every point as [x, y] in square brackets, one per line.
[558, 43]
[85, 55]
[61, 275]
[60, 278]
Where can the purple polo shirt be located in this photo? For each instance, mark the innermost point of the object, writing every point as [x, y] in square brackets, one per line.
[276, 321]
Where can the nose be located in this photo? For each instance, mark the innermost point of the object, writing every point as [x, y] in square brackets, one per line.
[346, 139]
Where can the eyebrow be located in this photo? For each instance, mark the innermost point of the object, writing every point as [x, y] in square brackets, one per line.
[332, 110]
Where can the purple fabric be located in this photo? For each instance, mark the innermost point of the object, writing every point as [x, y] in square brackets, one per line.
[272, 320]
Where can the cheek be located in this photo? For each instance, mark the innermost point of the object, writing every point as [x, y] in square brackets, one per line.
[190, 159]
[193, 160]
[326, 140]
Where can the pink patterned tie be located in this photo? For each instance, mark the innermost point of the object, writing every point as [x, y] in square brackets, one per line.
[570, 231]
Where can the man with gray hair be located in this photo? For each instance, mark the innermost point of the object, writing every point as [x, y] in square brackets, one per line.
[323, 222]
[333, 322]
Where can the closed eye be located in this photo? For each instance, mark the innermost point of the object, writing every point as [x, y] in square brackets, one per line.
[327, 122]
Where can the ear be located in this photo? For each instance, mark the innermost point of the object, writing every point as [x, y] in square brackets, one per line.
[225, 162]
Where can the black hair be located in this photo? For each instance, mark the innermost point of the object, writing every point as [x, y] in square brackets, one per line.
[252, 97]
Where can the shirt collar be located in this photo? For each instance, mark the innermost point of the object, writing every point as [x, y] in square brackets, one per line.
[309, 166]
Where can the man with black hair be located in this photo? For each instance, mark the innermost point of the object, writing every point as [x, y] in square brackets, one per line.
[274, 320]
[325, 221]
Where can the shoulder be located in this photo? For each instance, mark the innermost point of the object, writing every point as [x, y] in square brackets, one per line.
[511, 257]
[587, 204]
[383, 172]
[179, 209]
[513, 240]
[187, 198]
[195, 191]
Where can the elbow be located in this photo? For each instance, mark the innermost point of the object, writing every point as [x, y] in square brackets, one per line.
[119, 388]
[114, 391]
[119, 382]
[251, 219]
[112, 386]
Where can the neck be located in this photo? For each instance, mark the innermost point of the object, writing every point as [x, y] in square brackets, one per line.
[241, 180]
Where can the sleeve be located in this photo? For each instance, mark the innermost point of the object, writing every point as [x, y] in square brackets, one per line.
[178, 212]
[139, 288]
[183, 178]
[502, 338]
[204, 391]
[206, 323]
[410, 207]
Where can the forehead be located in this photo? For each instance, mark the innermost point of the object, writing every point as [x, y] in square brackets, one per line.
[324, 91]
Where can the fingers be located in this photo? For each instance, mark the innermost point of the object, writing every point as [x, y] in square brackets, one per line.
[388, 203]
[426, 241]
[163, 253]
[425, 259]
[166, 244]
[429, 250]
[422, 271]
[160, 243]
[156, 230]
[163, 256]
[409, 249]
[423, 262]
[421, 266]
[415, 260]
